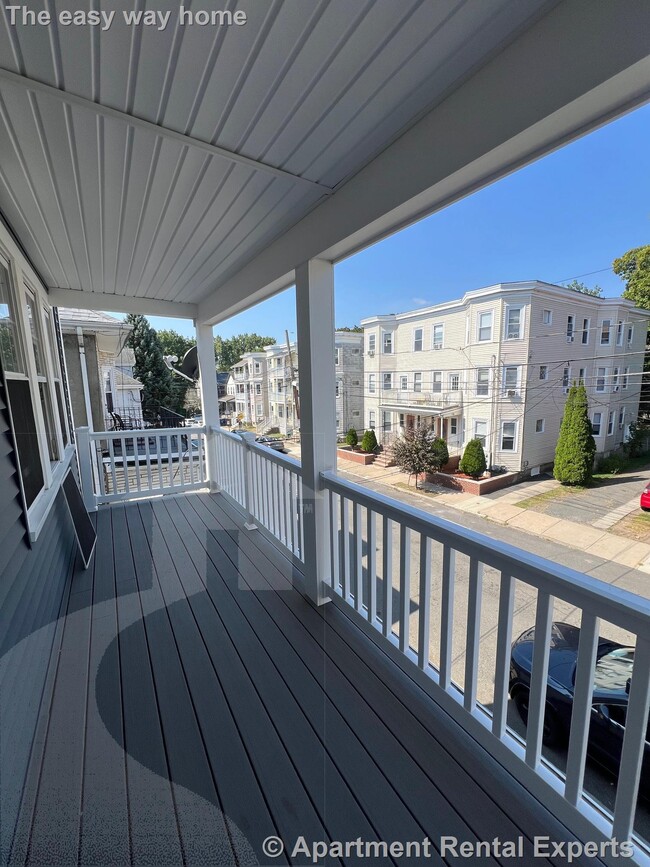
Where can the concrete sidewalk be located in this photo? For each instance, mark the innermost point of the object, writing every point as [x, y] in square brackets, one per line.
[505, 509]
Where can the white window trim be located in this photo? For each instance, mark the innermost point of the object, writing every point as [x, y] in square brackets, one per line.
[543, 421]
[602, 390]
[611, 423]
[402, 379]
[433, 335]
[593, 415]
[480, 313]
[609, 336]
[586, 331]
[515, 443]
[550, 316]
[521, 309]
[545, 377]
[517, 386]
[384, 334]
[476, 435]
[419, 328]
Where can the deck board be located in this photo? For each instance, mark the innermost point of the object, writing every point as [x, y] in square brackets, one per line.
[201, 705]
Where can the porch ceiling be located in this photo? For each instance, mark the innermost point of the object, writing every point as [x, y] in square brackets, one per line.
[153, 164]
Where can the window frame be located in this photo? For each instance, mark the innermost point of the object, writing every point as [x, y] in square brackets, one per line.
[387, 339]
[403, 382]
[543, 367]
[611, 421]
[601, 381]
[417, 383]
[540, 430]
[514, 437]
[547, 320]
[517, 369]
[436, 382]
[479, 327]
[509, 309]
[372, 383]
[387, 376]
[479, 383]
[595, 432]
[586, 328]
[453, 376]
[482, 437]
[435, 344]
[372, 342]
[607, 342]
[418, 340]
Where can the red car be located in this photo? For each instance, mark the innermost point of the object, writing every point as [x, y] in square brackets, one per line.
[645, 499]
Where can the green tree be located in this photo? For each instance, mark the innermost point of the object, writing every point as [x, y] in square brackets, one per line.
[633, 268]
[414, 452]
[576, 448]
[173, 343]
[578, 286]
[369, 441]
[149, 367]
[473, 461]
[353, 329]
[229, 351]
[352, 438]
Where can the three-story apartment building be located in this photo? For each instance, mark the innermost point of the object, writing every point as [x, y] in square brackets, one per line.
[264, 386]
[497, 364]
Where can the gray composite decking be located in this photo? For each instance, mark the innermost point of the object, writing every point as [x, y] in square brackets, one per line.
[200, 705]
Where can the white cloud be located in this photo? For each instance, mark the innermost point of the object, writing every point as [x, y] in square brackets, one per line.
[421, 302]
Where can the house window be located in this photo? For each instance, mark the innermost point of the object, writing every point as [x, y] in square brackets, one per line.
[509, 436]
[417, 382]
[386, 421]
[626, 372]
[438, 336]
[601, 373]
[387, 381]
[566, 377]
[582, 375]
[258, 388]
[610, 423]
[337, 355]
[585, 331]
[510, 378]
[621, 418]
[615, 379]
[482, 381]
[453, 427]
[387, 346]
[630, 334]
[338, 389]
[543, 372]
[371, 419]
[454, 382]
[480, 431]
[436, 382]
[417, 340]
[485, 326]
[356, 382]
[605, 332]
[404, 383]
[44, 393]
[372, 377]
[281, 411]
[513, 323]
[19, 391]
[596, 421]
[401, 419]
[260, 410]
[372, 339]
[570, 325]
[547, 317]
[619, 332]
[539, 425]
[257, 367]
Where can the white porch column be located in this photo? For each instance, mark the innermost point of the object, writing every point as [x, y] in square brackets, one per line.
[209, 397]
[315, 321]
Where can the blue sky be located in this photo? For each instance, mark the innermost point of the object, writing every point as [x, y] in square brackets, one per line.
[564, 216]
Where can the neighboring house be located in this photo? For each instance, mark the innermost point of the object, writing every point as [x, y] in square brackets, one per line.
[497, 364]
[100, 369]
[263, 386]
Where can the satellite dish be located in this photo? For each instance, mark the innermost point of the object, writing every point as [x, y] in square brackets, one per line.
[189, 366]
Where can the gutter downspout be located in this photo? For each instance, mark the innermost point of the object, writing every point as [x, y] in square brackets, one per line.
[84, 378]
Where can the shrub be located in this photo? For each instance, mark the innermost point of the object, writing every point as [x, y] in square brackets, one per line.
[369, 441]
[439, 452]
[351, 438]
[613, 464]
[473, 462]
[414, 453]
[637, 440]
[576, 448]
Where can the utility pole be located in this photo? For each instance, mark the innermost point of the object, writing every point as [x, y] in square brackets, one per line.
[294, 381]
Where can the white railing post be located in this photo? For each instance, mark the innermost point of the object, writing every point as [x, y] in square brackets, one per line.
[315, 323]
[247, 439]
[209, 399]
[82, 438]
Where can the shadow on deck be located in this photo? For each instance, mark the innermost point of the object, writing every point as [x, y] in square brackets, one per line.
[201, 705]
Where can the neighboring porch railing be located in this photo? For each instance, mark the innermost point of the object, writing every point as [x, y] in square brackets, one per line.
[381, 567]
[125, 465]
[267, 485]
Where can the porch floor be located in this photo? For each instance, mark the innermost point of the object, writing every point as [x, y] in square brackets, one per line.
[200, 705]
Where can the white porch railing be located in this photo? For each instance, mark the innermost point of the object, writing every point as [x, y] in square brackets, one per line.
[126, 465]
[381, 558]
[267, 485]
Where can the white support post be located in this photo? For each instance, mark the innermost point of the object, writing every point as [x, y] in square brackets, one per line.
[82, 439]
[315, 322]
[250, 524]
[209, 398]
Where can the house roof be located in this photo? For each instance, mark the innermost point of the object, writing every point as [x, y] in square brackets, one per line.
[90, 320]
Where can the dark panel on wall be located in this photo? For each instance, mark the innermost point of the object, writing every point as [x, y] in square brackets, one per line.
[33, 583]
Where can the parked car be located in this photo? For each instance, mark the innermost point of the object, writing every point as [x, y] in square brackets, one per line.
[610, 696]
[276, 445]
[645, 499]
